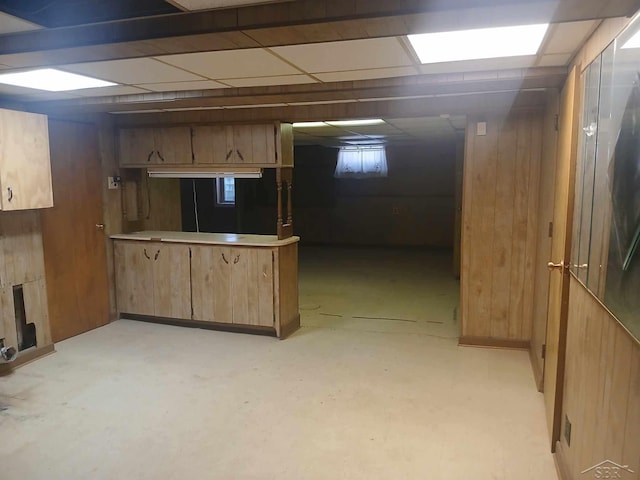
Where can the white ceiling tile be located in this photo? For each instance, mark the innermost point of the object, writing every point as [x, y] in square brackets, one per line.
[556, 60]
[181, 86]
[480, 65]
[11, 24]
[106, 91]
[267, 81]
[251, 62]
[132, 71]
[366, 74]
[567, 37]
[346, 55]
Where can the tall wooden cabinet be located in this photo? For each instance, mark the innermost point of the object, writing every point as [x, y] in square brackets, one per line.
[25, 167]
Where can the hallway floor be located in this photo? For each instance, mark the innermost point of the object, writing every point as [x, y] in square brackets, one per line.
[373, 386]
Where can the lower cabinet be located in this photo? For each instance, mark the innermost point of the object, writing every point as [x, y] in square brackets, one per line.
[152, 278]
[232, 285]
[240, 285]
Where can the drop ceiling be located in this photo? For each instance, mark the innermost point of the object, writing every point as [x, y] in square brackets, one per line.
[394, 131]
[279, 52]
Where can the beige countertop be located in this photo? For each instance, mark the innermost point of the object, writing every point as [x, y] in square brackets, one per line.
[239, 239]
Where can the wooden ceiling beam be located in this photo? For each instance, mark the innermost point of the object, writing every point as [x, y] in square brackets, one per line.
[472, 104]
[323, 93]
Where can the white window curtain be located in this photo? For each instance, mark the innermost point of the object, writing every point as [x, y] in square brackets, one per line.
[361, 162]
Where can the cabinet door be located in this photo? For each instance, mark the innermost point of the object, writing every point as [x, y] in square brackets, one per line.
[173, 146]
[25, 167]
[134, 277]
[212, 144]
[254, 144]
[252, 286]
[211, 283]
[136, 147]
[171, 280]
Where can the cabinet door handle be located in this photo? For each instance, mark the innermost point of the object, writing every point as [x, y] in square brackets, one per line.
[146, 254]
[240, 155]
[149, 156]
[236, 260]
[155, 257]
[225, 259]
[10, 192]
[160, 155]
[229, 153]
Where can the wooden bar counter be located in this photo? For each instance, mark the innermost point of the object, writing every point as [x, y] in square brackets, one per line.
[217, 280]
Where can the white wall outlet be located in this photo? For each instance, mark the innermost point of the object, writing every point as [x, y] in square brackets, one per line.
[113, 183]
[481, 129]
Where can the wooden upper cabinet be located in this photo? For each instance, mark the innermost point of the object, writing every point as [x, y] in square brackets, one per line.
[141, 147]
[212, 144]
[243, 145]
[257, 145]
[25, 165]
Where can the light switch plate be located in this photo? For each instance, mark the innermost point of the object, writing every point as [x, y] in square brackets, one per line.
[481, 129]
[113, 183]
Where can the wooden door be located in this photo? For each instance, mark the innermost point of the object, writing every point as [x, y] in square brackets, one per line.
[25, 171]
[134, 277]
[171, 280]
[252, 286]
[560, 255]
[136, 147]
[173, 146]
[72, 233]
[210, 145]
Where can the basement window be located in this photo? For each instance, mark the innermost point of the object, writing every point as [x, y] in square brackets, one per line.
[225, 191]
[362, 162]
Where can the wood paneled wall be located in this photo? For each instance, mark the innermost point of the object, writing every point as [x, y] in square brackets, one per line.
[601, 390]
[500, 218]
[22, 263]
[413, 206]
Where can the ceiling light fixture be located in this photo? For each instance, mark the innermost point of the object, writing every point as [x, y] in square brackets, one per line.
[633, 42]
[52, 80]
[204, 172]
[355, 123]
[479, 43]
[309, 124]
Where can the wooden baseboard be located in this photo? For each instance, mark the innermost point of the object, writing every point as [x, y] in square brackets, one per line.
[537, 373]
[225, 327]
[26, 356]
[489, 342]
[290, 327]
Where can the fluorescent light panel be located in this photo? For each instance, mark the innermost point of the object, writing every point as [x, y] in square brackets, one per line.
[339, 123]
[203, 173]
[479, 43]
[52, 80]
[633, 42]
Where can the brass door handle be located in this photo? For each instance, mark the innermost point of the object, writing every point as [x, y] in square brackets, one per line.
[100, 226]
[556, 266]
